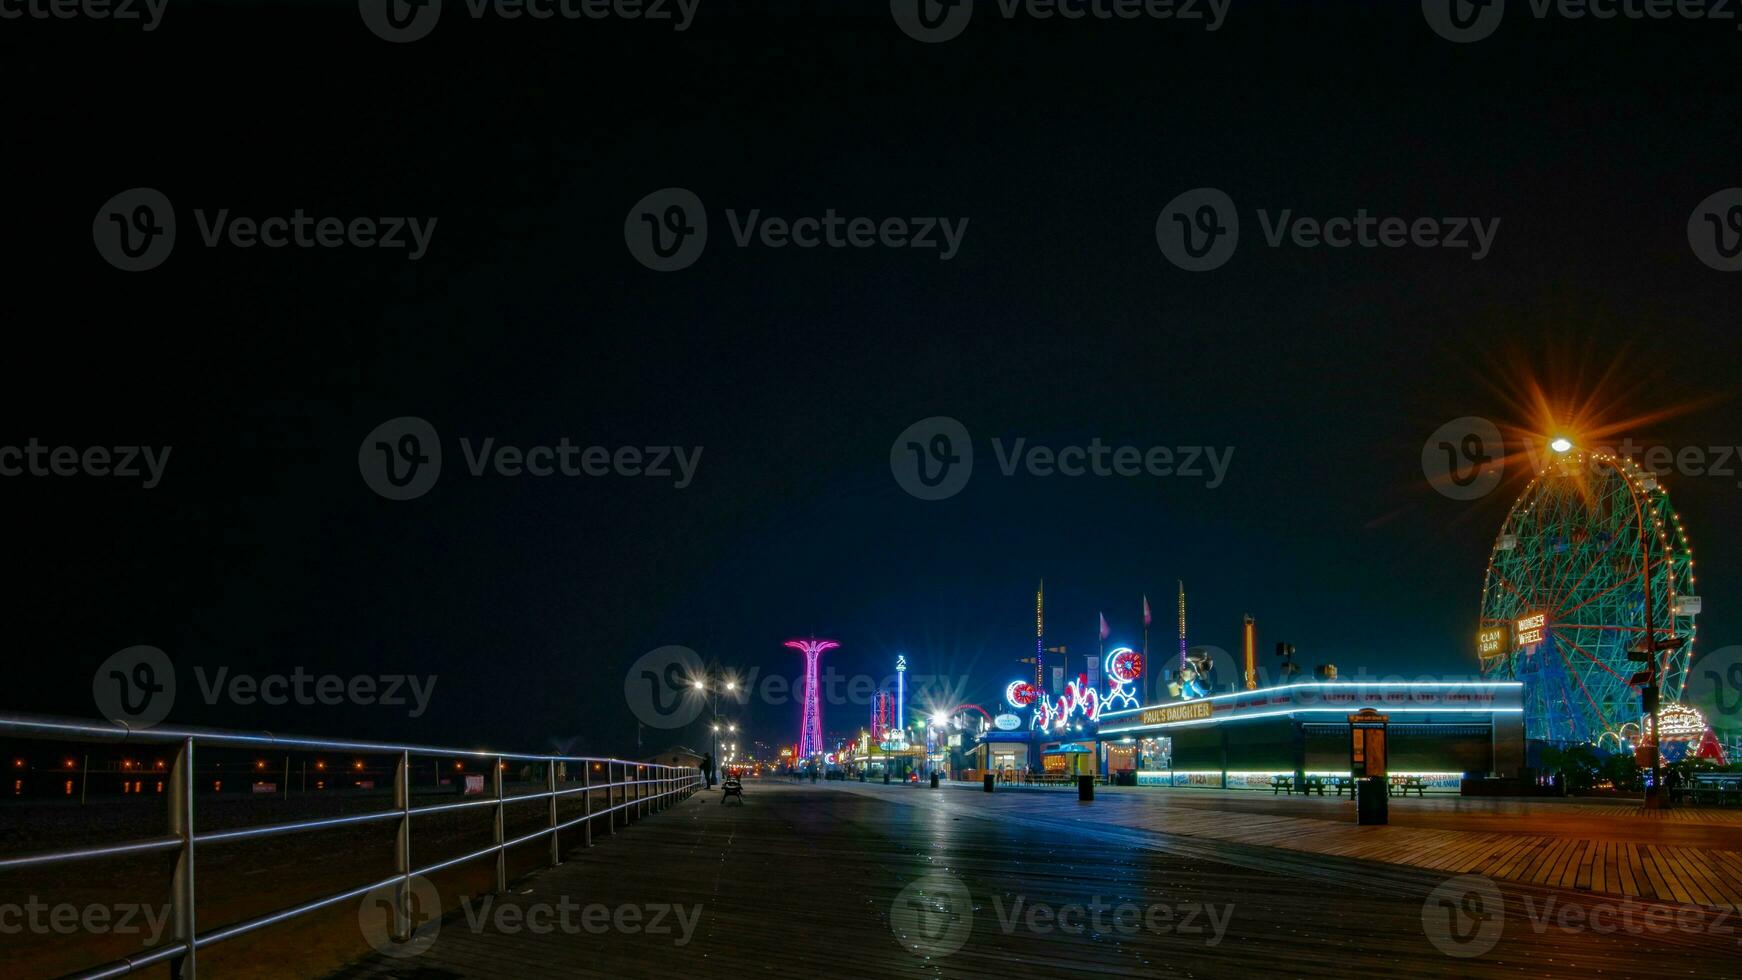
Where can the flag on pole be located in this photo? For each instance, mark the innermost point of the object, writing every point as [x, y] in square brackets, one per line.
[1104, 630]
[1146, 616]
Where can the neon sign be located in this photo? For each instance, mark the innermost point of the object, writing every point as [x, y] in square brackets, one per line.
[1124, 666]
[1079, 698]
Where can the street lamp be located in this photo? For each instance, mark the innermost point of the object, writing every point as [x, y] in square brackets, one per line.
[712, 693]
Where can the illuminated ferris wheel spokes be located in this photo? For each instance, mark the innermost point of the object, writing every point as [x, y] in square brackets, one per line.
[1566, 595]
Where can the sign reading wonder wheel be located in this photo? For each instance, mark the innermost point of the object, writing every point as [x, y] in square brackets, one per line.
[1530, 629]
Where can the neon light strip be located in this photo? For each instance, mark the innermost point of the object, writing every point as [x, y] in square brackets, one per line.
[1341, 685]
[1306, 711]
[1247, 773]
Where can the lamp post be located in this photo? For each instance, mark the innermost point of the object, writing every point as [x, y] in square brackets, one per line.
[712, 692]
[1561, 445]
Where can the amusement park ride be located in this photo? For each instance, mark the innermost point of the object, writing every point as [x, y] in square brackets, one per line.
[1589, 600]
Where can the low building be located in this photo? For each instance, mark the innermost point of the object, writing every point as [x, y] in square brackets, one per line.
[1438, 733]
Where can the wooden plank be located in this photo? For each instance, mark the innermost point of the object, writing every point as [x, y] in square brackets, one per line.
[802, 883]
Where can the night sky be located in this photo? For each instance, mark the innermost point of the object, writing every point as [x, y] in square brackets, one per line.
[1058, 321]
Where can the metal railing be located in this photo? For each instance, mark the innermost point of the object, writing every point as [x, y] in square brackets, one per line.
[642, 787]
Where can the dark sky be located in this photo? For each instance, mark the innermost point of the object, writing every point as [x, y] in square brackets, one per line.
[1059, 321]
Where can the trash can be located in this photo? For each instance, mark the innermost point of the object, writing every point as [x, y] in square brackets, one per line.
[1372, 800]
[1086, 788]
[886, 776]
[986, 781]
[934, 780]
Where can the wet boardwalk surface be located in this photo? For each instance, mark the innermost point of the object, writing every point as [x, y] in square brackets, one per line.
[850, 880]
[1686, 855]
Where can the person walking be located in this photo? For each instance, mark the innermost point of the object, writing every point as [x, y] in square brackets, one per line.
[708, 768]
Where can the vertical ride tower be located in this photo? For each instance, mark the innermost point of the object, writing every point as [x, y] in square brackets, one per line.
[810, 726]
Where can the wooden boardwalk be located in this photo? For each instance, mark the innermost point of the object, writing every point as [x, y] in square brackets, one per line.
[1688, 855]
[853, 881]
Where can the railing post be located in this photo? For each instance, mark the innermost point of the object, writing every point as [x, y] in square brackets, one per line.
[556, 854]
[402, 849]
[628, 804]
[611, 798]
[501, 852]
[181, 824]
[587, 805]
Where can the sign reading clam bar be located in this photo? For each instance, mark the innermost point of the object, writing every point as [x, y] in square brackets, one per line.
[1417, 697]
[1530, 629]
[1167, 714]
[1491, 642]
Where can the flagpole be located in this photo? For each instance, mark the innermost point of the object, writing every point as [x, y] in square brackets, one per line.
[1146, 663]
[1182, 623]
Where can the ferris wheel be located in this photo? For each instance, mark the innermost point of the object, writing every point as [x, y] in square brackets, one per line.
[1565, 597]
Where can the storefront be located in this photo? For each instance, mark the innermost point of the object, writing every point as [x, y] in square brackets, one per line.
[1068, 758]
[1440, 732]
[1004, 753]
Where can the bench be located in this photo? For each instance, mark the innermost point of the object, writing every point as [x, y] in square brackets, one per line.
[1314, 783]
[1279, 783]
[1719, 790]
[1402, 788]
[1342, 783]
[732, 789]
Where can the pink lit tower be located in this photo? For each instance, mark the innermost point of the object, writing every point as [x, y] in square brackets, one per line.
[810, 729]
